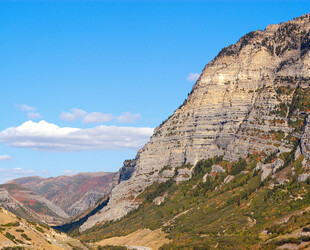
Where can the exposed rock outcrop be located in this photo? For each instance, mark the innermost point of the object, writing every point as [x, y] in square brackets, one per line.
[183, 174]
[269, 168]
[160, 199]
[228, 179]
[245, 101]
[303, 177]
[217, 169]
[305, 140]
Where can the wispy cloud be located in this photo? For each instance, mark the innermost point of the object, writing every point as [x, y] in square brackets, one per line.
[50, 137]
[68, 172]
[30, 111]
[5, 157]
[192, 77]
[25, 107]
[75, 115]
[33, 115]
[97, 117]
[127, 117]
[10, 174]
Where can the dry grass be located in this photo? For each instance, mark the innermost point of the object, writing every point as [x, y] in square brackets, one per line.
[19, 232]
[142, 237]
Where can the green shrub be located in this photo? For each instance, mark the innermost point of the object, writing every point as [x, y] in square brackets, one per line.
[12, 224]
[25, 236]
[19, 241]
[44, 226]
[304, 238]
[290, 240]
[32, 223]
[306, 229]
[238, 167]
[40, 229]
[10, 236]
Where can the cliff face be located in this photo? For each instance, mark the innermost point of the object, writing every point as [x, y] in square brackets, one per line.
[250, 98]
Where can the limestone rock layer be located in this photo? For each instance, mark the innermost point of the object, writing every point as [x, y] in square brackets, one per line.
[243, 102]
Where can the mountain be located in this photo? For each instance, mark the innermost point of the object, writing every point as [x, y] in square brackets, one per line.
[230, 169]
[253, 97]
[75, 193]
[17, 233]
[29, 205]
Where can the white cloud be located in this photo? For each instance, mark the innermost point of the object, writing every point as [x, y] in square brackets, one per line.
[25, 107]
[97, 117]
[33, 115]
[9, 174]
[192, 77]
[49, 137]
[128, 117]
[68, 172]
[5, 157]
[75, 115]
[30, 111]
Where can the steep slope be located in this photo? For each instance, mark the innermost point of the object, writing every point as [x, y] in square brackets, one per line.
[22, 234]
[27, 204]
[75, 193]
[253, 97]
[224, 205]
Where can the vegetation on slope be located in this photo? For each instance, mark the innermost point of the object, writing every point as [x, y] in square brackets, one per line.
[244, 212]
[18, 233]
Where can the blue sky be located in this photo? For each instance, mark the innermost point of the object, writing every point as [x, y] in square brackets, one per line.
[83, 83]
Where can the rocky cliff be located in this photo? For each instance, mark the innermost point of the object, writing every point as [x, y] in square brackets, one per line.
[253, 97]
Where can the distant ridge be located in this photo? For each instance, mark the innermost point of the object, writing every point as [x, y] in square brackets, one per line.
[72, 193]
